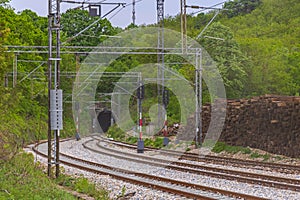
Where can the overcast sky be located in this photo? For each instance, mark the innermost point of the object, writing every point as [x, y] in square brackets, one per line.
[145, 9]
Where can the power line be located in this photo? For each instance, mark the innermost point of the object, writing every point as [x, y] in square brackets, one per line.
[212, 19]
[117, 5]
[124, 8]
[213, 7]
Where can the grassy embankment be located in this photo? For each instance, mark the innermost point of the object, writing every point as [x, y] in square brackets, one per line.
[22, 178]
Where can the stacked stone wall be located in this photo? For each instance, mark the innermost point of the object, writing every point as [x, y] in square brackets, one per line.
[270, 123]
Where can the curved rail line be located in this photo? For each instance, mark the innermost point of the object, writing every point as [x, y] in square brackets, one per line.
[160, 183]
[278, 167]
[246, 177]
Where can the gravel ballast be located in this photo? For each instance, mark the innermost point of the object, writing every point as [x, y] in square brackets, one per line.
[114, 186]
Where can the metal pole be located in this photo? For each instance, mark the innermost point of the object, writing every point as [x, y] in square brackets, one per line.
[15, 70]
[49, 86]
[198, 114]
[200, 99]
[140, 119]
[160, 57]
[6, 81]
[183, 26]
[77, 104]
[133, 12]
[54, 102]
[197, 100]
[57, 84]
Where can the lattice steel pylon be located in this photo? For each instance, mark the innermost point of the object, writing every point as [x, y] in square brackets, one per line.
[54, 93]
[160, 58]
[133, 12]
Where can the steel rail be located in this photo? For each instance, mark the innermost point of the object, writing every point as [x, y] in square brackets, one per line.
[147, 176]
[279, 167]
[246, 177]
[197, 166]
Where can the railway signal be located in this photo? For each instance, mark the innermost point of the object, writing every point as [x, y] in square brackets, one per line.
[141, 92]
[166, 97]
[140, 97]
[165, 103]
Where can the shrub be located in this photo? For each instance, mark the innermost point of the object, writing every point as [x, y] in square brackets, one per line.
[221, 146]
[246, 150]
[82, 185]
[255, 155]
[132, 140]
[158, 143]
[116, 133]
[148, 142]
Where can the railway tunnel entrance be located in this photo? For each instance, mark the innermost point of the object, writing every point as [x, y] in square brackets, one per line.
[105, 119]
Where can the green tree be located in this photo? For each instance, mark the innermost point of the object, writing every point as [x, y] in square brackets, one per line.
[3, 2]
[240, 7]
[74, 21]
[219, 42]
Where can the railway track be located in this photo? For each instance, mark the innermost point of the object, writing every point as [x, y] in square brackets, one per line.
[241, 176]
[283, 168]
[159, 183]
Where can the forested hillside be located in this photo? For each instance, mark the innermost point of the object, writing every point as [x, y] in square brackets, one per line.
[269, 36]
[23, 108]
[258, 52]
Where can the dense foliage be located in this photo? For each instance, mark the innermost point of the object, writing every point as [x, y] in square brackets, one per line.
[255, 43]
[75, 21]
[240, 7]
[23, 107]
[269, 36]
